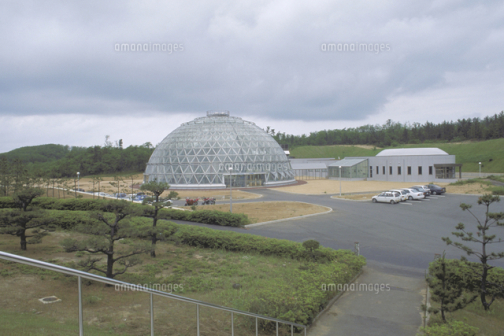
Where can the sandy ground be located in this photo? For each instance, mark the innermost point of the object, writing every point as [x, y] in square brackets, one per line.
[125, 187]
[473, 188]
[259, 212]
[219, 195]
[333, 187]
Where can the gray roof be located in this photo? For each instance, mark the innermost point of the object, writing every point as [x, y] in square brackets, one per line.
[308, 165]
[411, 151]
[346, 162]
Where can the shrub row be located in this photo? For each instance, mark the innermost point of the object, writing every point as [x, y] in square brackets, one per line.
[243, 242]
[74, 204]
[213, 217]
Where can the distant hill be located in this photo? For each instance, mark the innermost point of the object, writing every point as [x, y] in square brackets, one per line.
[63, 161]
[37, 154]
[490, 153]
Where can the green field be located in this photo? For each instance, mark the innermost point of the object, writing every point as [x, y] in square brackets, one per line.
[490, 153]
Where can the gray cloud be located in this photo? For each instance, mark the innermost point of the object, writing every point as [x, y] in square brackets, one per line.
[263, 58]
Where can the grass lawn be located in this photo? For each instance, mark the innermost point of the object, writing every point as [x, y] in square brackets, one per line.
[262, 284]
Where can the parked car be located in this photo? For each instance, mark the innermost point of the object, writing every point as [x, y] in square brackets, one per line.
[436, 190]
[414, 194]
[403, 194]
[120, 195]
[139, 197]
[391, 197]
[419, 188]
[422, 189]
[78, 189]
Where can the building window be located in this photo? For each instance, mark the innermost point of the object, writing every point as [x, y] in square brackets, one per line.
[390, 170]
[419, 170]
[399, 170]
[383, 170]
[430, 170]
[370, 171]
[377, 170]
[409, 170]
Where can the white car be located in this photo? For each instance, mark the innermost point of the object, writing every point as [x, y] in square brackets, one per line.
[414, 194]
[403, 194]
[391, 197]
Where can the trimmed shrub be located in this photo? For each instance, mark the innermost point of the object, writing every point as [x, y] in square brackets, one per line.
[7, 203]
[212, 217]
[68, 220]
[72, 204]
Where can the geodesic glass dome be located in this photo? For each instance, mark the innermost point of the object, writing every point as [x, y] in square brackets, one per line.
[210, 151]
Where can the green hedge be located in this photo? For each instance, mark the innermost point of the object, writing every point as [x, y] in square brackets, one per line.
[455, 328]
[76, 204]
[242, 242]
[213, 217]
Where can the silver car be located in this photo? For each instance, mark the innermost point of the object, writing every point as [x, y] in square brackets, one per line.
[414, 194]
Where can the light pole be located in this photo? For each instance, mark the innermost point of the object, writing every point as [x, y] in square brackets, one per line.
[230, 191]
[479, 169]
[78, 182]
[340, 180]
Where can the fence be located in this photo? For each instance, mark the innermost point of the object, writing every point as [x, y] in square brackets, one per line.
[80, 275]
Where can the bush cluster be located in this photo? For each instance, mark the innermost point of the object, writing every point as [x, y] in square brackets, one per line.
[472, 281]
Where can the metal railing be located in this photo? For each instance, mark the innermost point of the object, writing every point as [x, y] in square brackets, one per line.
[90, 276]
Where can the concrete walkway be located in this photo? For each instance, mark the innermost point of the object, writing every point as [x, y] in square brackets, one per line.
[392, 309]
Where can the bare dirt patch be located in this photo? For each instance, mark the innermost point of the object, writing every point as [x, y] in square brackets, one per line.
[472, 188]
[219, 195]
[259, 212]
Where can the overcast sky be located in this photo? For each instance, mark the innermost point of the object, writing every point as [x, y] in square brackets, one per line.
[296, 66]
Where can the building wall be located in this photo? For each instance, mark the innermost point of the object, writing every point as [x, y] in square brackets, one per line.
[413, 161]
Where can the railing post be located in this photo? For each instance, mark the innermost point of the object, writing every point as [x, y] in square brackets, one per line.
[292, 329]
[277, 329]
[197, 319]
[151, 315]
[257, 328]
[81, 329]
[232, 324]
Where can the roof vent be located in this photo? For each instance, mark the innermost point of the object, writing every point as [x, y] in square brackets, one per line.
[213, 113]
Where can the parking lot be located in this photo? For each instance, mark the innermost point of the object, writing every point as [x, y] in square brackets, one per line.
[407, 234]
